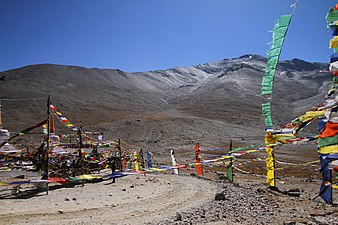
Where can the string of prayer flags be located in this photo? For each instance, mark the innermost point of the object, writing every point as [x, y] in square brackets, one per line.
[63, 119]
[24, 131]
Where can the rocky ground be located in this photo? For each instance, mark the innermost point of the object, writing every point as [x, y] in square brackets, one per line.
[248, 201]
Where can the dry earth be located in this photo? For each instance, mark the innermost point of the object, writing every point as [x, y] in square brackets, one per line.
[135, 199]
[186, 199]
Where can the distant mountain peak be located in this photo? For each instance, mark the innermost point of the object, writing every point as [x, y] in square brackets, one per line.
[253, 56]
[299, 64]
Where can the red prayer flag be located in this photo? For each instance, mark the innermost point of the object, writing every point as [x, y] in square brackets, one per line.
[198, 160]
[330, 129]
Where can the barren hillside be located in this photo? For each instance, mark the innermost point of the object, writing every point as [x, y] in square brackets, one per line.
[209, 103]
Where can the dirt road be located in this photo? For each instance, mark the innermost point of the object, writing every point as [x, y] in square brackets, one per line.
[135, 199]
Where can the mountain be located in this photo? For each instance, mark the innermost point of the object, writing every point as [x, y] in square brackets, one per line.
[209, 103]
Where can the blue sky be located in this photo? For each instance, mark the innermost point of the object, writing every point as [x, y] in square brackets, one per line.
[143, 35]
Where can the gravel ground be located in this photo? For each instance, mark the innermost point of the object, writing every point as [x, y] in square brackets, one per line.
[249, 201]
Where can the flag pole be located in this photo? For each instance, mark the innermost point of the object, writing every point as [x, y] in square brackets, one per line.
[80, 149]
[120, 153]
[0, 116]
[47, 146]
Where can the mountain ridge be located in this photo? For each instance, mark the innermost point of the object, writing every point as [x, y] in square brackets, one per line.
[209, 102]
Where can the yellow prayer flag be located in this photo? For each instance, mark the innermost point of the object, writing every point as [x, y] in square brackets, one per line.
[334, 42]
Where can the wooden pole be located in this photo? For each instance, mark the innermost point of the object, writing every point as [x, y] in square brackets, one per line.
[48, 140]
[120, 153]
[81, 146]
[274, 167]
[0, 116]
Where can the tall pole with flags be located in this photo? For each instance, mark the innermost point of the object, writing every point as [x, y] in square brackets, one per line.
[80, 145]
[0, 116]
[120, 153]
[48, 143]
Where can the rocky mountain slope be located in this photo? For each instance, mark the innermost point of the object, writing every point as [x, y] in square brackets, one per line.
[210, 103]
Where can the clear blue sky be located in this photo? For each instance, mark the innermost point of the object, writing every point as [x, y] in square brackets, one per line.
[143, 35]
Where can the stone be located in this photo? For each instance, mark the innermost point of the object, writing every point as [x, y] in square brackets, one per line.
[220, 196]
[178, 217]
[260, 190]
[321, 220]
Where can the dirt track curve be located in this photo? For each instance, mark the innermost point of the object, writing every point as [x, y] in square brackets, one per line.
[135, 199]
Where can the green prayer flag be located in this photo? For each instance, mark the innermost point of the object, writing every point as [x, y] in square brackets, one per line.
[277, 43]
[278, 36]
[335, 80]
[269, 72]
[280, 32]
[266, 109]
[332, 16]
[284, 20]
[274, 52]
[272, 63]
[230, 176]
[267, 85]
[328, 141]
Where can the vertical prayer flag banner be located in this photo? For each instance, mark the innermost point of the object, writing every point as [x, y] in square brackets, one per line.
[52, 126]
[230, 175]
[141, 158]
[136, 161]
[150, 164]
[266, 110]
[270, 167]
[173, 160]
[198, 159]
[328, 137]
[278, 37]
